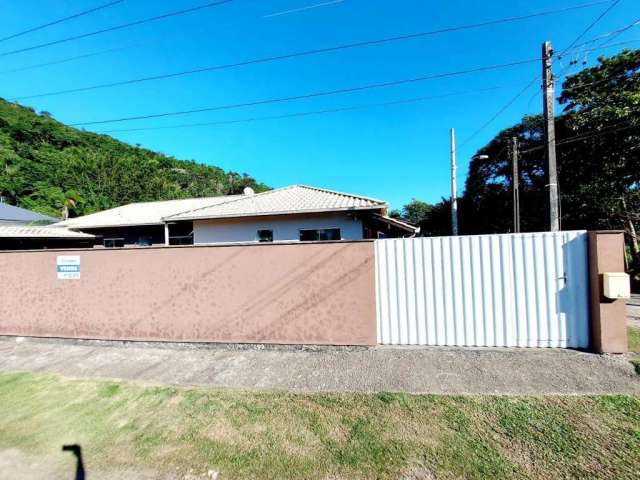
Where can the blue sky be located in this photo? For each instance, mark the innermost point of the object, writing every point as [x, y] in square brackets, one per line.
[392, 152]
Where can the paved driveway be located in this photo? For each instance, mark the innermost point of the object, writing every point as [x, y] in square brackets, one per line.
[417, 370]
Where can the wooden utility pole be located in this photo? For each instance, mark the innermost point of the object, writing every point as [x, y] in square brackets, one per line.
[454, 189]
[550, 136]
[515, 180]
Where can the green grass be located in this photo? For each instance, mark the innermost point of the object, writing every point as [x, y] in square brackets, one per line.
[633, 336]
[128, 427]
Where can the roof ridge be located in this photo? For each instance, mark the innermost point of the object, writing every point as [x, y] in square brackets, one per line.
[336, 192]
[302, 201]
[240, 198]
[168, 200]
[69, 223]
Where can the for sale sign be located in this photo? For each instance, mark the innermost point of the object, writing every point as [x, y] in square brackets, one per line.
[68, 267]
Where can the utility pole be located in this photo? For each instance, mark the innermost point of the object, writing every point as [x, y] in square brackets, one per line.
[454, 189]
[550, 136]
[515, 180]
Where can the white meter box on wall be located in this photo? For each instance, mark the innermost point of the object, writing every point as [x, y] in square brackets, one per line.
[616, 285]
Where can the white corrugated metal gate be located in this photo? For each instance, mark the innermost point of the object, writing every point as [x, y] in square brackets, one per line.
[527, 290]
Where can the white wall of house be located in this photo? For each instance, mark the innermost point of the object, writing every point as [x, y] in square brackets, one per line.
[285, 228]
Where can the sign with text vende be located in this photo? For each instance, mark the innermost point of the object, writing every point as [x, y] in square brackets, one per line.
[68, 267]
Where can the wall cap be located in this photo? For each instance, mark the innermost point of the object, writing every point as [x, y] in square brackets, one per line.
[202, 245]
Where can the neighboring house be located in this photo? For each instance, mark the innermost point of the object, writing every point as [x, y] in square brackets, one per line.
[26, 237]
[10, 215]
[142, 223]
[294, 213]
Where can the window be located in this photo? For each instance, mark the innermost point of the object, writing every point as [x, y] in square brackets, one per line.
[181, 240]
[265, 235]
[113, 242]
[320, 234]
[144, 241]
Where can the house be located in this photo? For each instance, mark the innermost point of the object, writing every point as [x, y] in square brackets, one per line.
[30, 237]
[293, 213]
[141, 224]
[11, 215]
[22, 229]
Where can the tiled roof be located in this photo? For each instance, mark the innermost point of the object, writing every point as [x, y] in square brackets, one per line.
[288, 200]
[24, 231]
[146, 213]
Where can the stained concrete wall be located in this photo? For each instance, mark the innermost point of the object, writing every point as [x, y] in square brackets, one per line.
[317, 293]
[608, 317]
[285, 228]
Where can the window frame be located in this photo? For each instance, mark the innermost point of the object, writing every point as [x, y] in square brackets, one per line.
[300, 230]
[113, 239]
[259, 240]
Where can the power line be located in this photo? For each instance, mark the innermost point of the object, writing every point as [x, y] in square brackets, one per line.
[587, 135]
[608, 45]
[305, 53]
[314, 94]
[593, 134]
[117, 27]
[522, 92]
[597, 82]
[591, 25]
[61, 20]
[303, 9]
[305, 114]
[564, 74]
[613, 34]
[63, 60]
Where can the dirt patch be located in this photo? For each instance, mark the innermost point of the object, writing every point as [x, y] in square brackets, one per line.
[18, 466]
[415, 370]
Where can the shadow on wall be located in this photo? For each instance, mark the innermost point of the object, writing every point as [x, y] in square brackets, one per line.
[571, 300]
[77, 451]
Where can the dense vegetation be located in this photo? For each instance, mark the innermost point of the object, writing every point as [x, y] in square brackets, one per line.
[598, 150]
[51, 168]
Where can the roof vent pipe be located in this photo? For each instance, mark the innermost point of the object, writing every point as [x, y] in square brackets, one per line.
[248, 191]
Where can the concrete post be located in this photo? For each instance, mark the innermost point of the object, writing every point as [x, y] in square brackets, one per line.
[608, 317]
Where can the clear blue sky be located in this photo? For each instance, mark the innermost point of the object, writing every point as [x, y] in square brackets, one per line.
[393, 153]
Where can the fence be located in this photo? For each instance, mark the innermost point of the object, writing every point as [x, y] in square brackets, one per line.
[296, 293]
[528, 290]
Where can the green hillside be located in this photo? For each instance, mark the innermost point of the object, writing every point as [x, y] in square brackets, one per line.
[46, 165]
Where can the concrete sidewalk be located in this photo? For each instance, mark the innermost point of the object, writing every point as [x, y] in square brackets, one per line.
[417, 370]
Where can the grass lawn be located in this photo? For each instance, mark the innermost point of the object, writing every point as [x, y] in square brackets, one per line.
[633, 339]
[633, 335]
[168, 431]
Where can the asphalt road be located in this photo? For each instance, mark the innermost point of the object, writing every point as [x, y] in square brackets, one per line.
[416, 370]
[633, 311]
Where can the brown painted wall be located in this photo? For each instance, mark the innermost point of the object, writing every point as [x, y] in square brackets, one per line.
[321, 293]
[608, 317]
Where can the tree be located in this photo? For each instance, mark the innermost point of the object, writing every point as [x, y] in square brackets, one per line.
[598, 155]
[413, 212]
[56, 170]
[598, 147]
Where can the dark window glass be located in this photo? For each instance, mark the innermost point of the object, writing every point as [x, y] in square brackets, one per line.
[330, 234]
[320, 234]
[308, 235]
[265, 235]
[181, 240]
[144, 242]
[113, 242]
